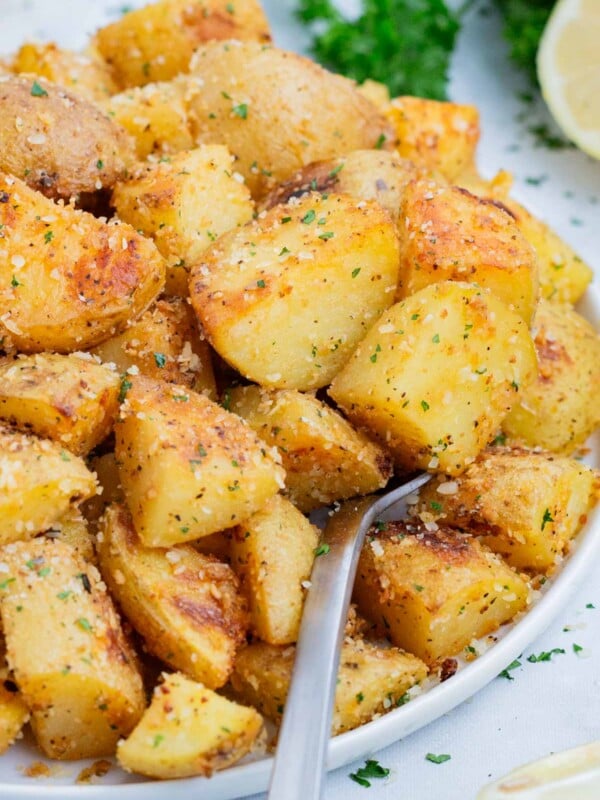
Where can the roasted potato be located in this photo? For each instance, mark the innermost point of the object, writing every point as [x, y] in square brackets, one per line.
[106, 470]
[70, 399]
[447, 233]
[184, 204]
[278, 111]
[39, 482]
[273, 553]
[81, 73]
[71, 661]
[442, 137]
[525, 505]
[268, 295]
[13, 711]
[68, 280]
[392, 383]
[72, 529]
[57, 142]
[188, 730]
[371, 680]
[433, 589]
[165, 344]
[185, 605]
[188, 467]
[561, 408]
[324, 457]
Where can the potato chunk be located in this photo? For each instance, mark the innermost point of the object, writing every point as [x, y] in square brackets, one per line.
[273, 553]
[38, 482]
[371, 680]
[278, 111]
[82, 74]
[185, 605]
[268, 295]
[432, 592]
[526, 506]
[324, 457]
[188, 467]
[66, 398]
[164, 344]
[447, 233]
[57, 142]
[71, 661]
[188, 730]
[393, 383]
[72, 529]
[184, 204]
[156, 42]
[440, 136]
[13, 711]
[562, 407]
[68, 280]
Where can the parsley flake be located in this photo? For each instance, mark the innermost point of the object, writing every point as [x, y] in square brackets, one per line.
[322, 549]
[438, 759]
[37, 90]
[372, 769]
[160, 359]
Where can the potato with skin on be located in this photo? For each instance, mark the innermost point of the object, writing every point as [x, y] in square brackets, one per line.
[155, 116]
[277, 111]
[526, 506]
[166, 344]
[366, 174]
[436, 375]
[269, 295]
[371, 680]
[80, 73]
[440, 136]
[186, 606]
[157, 41]
[70, 399]
[71, 661]
[68, 280]
[56, 141]
[324, 457]
[40, 481]
[561, 408]
[188, 467]
[272, 553]
[433, 591]
[447, 233]
[188, 730]
[184, 204]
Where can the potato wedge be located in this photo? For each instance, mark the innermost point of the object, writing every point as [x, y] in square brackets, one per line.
[184, 204]
[268, 295]
[524, 505]
[164, 344]
[68, 280]
[70, 399]
[186, 606]
[188, 467]
[561, 408]
[77, 674]
[277, 111]
[57, 142]
[447, 233]
[392, 385]
[188, 730]
[273, 553]
[433, 591]
[39, 480]
[324, 457]
[80, 73]
[440, 136]
[371, 680]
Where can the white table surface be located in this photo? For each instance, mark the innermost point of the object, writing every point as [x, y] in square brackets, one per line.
[548, 706]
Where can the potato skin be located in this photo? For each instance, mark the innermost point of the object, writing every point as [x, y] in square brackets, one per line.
[268, 295]
[68, 280]
[59, 143]
[278, 111]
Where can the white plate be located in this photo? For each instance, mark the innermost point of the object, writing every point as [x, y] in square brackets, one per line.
[68, 21]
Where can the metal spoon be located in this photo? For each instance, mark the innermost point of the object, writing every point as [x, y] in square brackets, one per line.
[299, 765]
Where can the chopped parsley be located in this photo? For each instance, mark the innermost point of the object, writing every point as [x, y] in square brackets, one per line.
[506, 672]
[322, 549]
[356, 272]
[372, 769]
[308, 217]
[437, 759]
[84, 624]
[37, 90]
[545, 655]
[577, 648]
[160, 359]
[241, 110]
[125, 387]
[546, 518]
[48, 236]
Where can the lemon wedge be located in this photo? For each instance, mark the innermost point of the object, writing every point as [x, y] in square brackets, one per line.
[568, 65]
